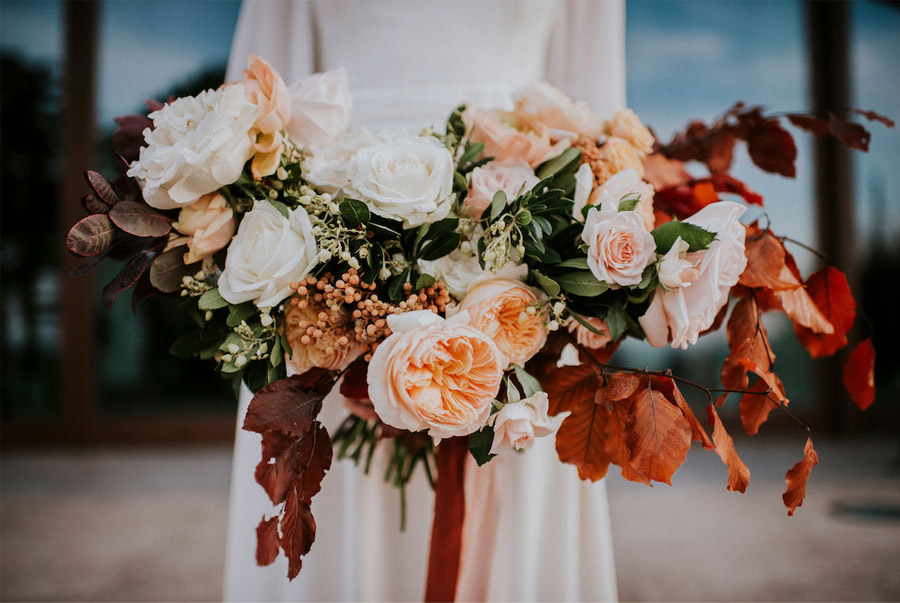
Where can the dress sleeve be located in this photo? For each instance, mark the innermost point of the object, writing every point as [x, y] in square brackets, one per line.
[281, 32]
[587, 53]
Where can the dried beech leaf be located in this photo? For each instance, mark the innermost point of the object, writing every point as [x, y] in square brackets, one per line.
[724, 183]
[756, 406]
[616, 444]
[580, 440]
[797, 476]
[140, 219]
[872, 116]
[662, 172]
[765, 261]
[298, 532]
[859, 374]
[289, 405]
[770, 146]
[851, 134]
[127, 277]
[813, 125]
[355, 385]
[658, 436]
[267, 541]
[617, 386]
[570, 386]
[91, 236]
[831, 294]
[738, 474]
[747, 341]
[670, 390]
[278, 467]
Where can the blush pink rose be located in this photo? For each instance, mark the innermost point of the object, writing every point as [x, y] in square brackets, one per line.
[436, 374]
[208, 224]
[622, 184]
[508, 175]
[497, 307]
[321, 107]
[619, 247]
[553, 108]
[681, 314]
[588, 338]
[504, 136]
[265, 89]
[517, 425]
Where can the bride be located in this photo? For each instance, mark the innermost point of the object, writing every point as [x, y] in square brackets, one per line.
[409, 63]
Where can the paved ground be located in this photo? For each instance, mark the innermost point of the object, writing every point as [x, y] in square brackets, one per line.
[126, 525]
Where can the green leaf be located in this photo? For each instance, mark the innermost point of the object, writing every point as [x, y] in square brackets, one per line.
[420, 234]
[438, 248]
[355, 213]
[480, 444]
[498, 204]
[442, 226]
[523, 217]
[581, 283]
[459, 182]
[550, 286]
[544, 223]
[666, 235]
[629, 202]
[424, 281]
[374, 261]
[561, 164]
[276, 357]
[239, 313]
[191, 344]
[616, 320]
[530, 385]
[587, 325]
[395, 284]
[473, 150]
[580, 263]
[281, 207]
[212, 300]
[512, 392]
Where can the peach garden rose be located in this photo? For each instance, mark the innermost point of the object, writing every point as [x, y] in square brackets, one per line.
[265, 89]
[498, 308]
[504, 136]
[209, 225]
[436, 374]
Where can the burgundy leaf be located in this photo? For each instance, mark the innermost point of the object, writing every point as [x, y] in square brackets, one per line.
[92, 204]
[142, 290]
[267, 541]
[125, 279]
[298, 532]
[314, 458]
[278, 467]
[82, 269]
[91, 236]
[289, 405]
[771, 147]
[851, 134]
[140, 220]
[355, 385]
[168, 270]
[813, 125]
[126, 245]
[128, 138]
[872, 116]
[102, 187]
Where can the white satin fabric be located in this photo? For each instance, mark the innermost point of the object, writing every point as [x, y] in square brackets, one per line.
[533, 530]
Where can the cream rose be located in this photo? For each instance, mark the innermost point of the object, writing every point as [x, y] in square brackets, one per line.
[436, 374]
[619, 247]
[618, 154]
[620, 185]
[517, 425]
[505, 136]
[334, 350]
[685, 312]
[208, 224]
[625, 124]
[457, 270]
[198, 144]
[409, 178]
[552, 107]
[320, 108]
[509, 175]
[584, 184]
[326, 166]
[267, 254]
[265, 89]
[675, 269]
[588, 338]
[498, 308]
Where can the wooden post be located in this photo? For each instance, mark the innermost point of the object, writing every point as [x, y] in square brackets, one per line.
[77, 355]
[829, 55]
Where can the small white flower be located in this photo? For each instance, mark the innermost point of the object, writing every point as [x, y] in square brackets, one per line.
[233, 348]
[240, 361]
[265, 319]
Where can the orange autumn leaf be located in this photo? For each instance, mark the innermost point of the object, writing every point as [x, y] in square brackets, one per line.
[859, 374]
[617, 386]
[658, 435]
[765, 260]
[617, 429]
[797, 476]
[670, 390]
[580, 440]
[829, 290]
[747, 340]
[756, 406]
[738, 474]
[568, 387]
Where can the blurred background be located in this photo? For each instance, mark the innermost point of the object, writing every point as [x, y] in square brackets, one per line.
[116, 456]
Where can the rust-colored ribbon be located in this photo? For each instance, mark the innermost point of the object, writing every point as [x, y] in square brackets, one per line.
[447, 528]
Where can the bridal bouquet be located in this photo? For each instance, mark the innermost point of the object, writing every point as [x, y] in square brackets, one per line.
[463, 287]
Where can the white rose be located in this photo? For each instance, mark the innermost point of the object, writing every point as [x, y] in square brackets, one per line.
[686, 312]
[268, 252]
[409, 178]
[457, 270]
[326, 166]
[622, 184]
[619, 247]
[508, 175]
[320, 108]
[584, 184]
[516, 425]
[552, 107]
[197, 145]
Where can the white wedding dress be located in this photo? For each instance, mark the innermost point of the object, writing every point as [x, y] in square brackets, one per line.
[533, 530]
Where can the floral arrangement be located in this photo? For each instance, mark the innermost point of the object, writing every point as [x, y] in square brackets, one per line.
[464, 288]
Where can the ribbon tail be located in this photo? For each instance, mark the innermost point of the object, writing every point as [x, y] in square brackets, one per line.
[449, 513]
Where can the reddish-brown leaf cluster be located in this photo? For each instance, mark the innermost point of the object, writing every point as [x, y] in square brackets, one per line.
[296, 454]
[797, 476]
